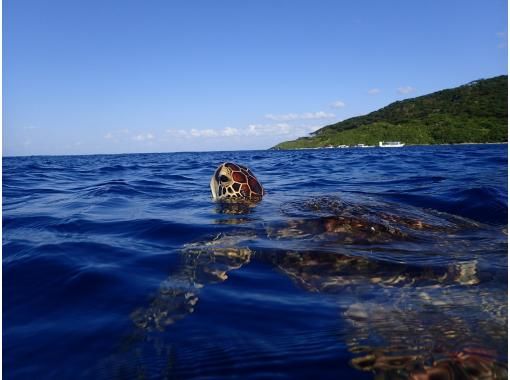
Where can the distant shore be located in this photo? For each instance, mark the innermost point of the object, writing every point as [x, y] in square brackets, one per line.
[376, 146]
[476, 111]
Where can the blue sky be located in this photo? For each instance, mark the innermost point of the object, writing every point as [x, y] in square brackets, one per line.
[93, 76]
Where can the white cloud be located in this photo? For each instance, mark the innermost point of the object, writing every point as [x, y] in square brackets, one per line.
[203, 133]
[230, 132]
[279, 129]
[338, 104]
[252, 130]
[268, 129]
[125, 133]
[374, 91]
[208, 132]
[302, 116]
[143, 137]
[178, 132]
[259, 131]
[405, 90]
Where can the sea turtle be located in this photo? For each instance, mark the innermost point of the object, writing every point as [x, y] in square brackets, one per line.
[235, 189]
[235, 183]
[313, 236]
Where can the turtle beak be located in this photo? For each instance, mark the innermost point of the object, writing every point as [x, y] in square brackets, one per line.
[214, 188]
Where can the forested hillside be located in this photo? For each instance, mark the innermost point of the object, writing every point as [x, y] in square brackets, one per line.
[475, 112]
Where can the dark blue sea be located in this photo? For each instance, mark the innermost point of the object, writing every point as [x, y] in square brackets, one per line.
[358, 263]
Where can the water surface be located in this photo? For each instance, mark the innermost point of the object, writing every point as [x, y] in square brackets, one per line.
[358, 263]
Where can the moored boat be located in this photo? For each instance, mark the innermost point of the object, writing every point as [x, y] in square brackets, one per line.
[391, 144]
[363, 146]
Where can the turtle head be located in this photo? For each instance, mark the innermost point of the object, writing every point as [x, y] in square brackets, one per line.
[235, 183]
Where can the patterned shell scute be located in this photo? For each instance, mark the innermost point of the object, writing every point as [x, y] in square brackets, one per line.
[250, 185]
[239, 177]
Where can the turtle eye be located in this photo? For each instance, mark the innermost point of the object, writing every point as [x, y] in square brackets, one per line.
[224, 178]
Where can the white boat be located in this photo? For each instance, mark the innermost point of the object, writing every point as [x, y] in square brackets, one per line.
[342, 146]
[391, 144]
[363, 146]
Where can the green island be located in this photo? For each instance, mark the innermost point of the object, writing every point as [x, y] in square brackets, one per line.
[472, 113]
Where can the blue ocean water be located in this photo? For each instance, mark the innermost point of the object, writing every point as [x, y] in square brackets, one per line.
[358, 263]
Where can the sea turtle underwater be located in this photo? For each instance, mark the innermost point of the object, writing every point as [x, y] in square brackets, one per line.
[313, 235]
[236, 189]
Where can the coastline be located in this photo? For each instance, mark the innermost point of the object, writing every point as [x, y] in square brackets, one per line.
[406, 145]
